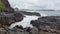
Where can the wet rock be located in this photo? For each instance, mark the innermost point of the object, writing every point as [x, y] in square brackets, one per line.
[41, 26]
[18, 16]
[47, 24]
[9, 18]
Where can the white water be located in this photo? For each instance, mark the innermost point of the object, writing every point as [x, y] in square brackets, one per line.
[25, 22]
[34, 5]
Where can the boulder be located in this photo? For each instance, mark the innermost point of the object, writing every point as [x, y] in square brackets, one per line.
[9, 18]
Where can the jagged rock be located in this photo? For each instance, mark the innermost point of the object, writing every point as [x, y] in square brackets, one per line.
[2, 31]
[18, 16]
[6, 6]
[9, 18]
[6, 18]
[49, 24]
[46, 25]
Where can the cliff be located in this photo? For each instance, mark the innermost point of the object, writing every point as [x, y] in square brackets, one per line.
[7, 14]
[5, 6]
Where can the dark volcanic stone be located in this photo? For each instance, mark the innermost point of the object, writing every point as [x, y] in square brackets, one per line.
[18, 17]
[44, 25]
[29, 13]
[5, 18]
[9, 18]
[48, 23]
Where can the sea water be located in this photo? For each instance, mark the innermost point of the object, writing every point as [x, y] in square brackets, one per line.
[25, 22]
[35, 5]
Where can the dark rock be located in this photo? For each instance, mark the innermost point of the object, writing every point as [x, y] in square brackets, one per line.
[20, 27]
[28, 13]
[28, 29]
[18, 16]
[6, 3]
[48, 23]
[9, 18]
[6, 18]
[7, 6]
[42, 26]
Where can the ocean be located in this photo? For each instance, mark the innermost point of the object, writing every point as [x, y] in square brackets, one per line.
[33, 6]
[38, 5]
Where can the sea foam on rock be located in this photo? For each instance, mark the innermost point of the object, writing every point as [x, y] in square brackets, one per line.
[25, 22]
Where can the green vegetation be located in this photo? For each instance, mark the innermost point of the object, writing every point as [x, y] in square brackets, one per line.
[2, 7]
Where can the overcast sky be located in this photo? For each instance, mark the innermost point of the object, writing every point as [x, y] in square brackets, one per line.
[35, 4]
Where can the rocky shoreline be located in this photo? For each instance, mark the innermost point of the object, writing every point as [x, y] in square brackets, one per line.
[48, 24]
[44, 25]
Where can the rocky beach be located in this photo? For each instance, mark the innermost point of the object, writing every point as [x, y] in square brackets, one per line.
[41, 24]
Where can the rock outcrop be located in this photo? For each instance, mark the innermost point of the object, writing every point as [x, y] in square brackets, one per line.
[44, 25]
[47, 25]
[30, 13]
[4, 5]
[7, 15]
[9, 18]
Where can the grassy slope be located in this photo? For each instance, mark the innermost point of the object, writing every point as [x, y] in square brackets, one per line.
[2, 7]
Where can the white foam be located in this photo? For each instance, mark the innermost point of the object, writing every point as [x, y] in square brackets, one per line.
[25, 22]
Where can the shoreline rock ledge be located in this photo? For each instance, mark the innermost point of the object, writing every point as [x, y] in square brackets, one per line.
[44, 25]
[47, 25]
